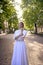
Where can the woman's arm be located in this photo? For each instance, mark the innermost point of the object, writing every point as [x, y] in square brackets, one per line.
[16, 37]
[25, 33]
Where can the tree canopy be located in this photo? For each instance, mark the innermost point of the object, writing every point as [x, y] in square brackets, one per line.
[8, 13]
[32, 12]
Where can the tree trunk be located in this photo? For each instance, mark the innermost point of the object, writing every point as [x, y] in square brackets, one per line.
[35, 28]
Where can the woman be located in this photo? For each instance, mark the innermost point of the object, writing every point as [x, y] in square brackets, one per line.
[19, 52]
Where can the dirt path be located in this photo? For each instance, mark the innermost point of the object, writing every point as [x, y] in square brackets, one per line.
[35, 49]
[34, 45]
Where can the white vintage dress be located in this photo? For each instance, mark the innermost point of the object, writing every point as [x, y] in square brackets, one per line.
[19, 56]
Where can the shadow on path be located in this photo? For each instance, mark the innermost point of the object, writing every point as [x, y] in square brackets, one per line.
[35, 49]
[34, 45]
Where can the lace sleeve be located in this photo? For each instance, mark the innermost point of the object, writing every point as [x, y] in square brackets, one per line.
[24, 33]
[16, 33]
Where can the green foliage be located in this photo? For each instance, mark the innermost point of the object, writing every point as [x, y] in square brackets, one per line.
[32, 12]
[8, 11]
[13, 21]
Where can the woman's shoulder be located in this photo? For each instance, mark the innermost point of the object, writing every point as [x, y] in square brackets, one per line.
[25, 30]
[16, 30]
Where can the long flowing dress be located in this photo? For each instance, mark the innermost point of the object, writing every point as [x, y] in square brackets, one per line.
[19, 56]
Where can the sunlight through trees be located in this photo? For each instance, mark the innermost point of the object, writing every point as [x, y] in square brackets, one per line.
[28, 11]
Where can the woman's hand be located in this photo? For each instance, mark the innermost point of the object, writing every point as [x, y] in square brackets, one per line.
[21, 34]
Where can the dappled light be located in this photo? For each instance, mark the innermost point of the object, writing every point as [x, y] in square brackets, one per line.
[34, 45]
[35, 49]
[30, 12]
[18, 9]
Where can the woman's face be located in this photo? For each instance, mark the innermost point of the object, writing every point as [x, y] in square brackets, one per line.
[20, 25]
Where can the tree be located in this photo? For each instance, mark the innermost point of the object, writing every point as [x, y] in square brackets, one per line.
[31, 12]
[7, 11]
